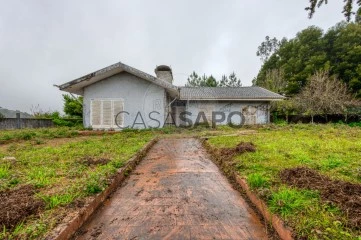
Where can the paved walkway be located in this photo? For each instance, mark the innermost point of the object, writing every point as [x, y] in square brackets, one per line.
[176, 192]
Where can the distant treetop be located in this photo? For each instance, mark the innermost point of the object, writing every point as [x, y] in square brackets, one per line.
[195, 80]
[347, 8]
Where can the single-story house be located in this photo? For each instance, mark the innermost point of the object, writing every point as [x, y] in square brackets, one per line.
[121, 96]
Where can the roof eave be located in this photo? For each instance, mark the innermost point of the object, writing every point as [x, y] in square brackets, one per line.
[233, 99]
[77, 85]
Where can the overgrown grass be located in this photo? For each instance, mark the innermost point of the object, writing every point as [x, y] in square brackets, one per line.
[38, 134]
[4, 170]
[60, 173]
[288, 201]
[58, 200]
[332, 149]
[256, 180]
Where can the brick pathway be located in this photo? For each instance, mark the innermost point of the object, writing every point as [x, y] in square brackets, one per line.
[176, 192]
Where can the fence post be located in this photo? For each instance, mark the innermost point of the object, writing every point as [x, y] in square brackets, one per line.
[18, 120]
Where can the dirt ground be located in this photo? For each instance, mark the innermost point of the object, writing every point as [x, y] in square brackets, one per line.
[176, 192]
[242, 147]
[17, 204]
[345, 195]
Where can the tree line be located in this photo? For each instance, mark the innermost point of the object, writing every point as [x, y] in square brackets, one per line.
[319, 72]
[195, 80]
[288, 64]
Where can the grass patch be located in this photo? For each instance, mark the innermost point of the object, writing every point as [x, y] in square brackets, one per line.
[58, 200]
[41, 176]
[331, 149]
[38, 134]
[59, 173]
[4, 171]
[256, 180]
[288, 201]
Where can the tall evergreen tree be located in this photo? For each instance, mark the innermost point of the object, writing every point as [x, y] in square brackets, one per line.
[194, 80]
[230, 81]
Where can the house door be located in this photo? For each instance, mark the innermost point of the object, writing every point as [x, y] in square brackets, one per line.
[103, 113]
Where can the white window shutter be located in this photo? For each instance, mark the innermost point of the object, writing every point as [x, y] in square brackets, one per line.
[117, 108]
[107, 114]
[95, 113]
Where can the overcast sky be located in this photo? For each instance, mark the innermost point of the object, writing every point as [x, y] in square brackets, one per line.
[51, 42]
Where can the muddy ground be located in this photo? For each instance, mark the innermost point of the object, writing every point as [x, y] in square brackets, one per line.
[242, 147]
[345, 195]
[90, 161]
[17, 204]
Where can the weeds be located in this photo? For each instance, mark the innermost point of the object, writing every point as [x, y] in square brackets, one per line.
[41, 176]
[331, 163]
[38, 135]
[58, 200]
[4, 171]
[287, 201]
[256, 180]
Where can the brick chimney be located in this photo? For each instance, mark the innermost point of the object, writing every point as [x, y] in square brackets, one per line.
[164, 72]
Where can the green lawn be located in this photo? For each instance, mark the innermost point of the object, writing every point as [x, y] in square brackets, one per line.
[63, 173]
[38, 134]
[333, 150]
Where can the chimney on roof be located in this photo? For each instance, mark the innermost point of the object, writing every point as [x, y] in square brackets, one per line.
[164, 72]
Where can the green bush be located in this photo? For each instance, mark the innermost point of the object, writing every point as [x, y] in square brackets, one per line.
[355, 124]
[66, 122]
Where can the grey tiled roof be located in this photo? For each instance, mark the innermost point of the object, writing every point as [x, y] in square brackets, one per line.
[219, 93]
[76, 86]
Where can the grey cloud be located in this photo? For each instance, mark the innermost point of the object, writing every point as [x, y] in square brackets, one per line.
[52, 42]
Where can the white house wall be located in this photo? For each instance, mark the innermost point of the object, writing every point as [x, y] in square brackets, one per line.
[262, 114]
[137, 94]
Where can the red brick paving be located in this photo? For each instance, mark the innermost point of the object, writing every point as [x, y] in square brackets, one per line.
[176, 192]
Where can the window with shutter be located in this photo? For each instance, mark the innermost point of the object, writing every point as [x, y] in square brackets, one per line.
[104, 111]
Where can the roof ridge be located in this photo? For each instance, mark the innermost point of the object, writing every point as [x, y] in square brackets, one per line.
[76, 85]
[218, 87]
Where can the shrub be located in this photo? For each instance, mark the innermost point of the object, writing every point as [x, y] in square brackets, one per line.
[355, 124]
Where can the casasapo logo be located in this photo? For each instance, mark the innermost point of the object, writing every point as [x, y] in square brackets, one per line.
[186, 117]
[155, 109]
